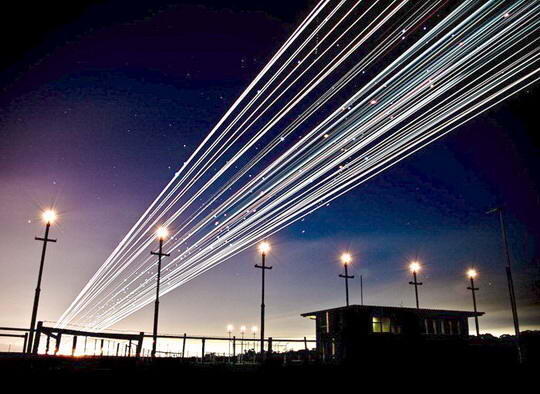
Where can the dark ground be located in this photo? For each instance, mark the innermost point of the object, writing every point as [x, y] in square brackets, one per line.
[478, 361]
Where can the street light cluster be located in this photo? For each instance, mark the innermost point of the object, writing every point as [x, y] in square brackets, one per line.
[49, 216]
[230, 329]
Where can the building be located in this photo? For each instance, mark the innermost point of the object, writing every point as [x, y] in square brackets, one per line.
[349, 332]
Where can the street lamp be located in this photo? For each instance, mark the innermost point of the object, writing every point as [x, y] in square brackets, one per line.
[254, 331]
[49, 217]
[161, 234]
[415, 267]
[471, 273]
[346, 259]
[242, 330]
[230, 329]
[264, 248]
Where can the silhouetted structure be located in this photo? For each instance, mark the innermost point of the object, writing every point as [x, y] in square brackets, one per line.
[347, 332]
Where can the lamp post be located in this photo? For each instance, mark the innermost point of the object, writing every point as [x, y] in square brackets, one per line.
[48, 216]
[509, 279]
[161, 234]
[254, 332]
[472, 274]
[264, 248]
[242, 330]
[346, 259]
[361, 290]
[230, 328]
[415, 267]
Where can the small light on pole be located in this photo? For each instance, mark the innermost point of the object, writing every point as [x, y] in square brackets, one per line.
[243, 331]
[472, 274]
[161, 235]
[254, 332]
[230, 329]
[346, 259]
[264, 248]
[49, 217]
[415, 267]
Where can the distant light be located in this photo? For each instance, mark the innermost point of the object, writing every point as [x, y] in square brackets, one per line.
[162, 233]
[243, 329]
[415, 266]
[373, 101]
[230, 327]
[346, 258]
[264, 247]
[472, 273]
[254, 329]
[48, 216]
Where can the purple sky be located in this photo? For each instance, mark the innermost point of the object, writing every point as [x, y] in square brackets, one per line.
[96, 114]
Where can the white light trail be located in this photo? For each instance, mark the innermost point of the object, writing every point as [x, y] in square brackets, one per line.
[358, 87]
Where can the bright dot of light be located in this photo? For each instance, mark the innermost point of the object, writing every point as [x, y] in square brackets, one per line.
[230, 327]
[243, 329]
[414, 266]
[49, 216]
[346, 258]
[472, 273]
[162, 233]
[254, 329]
[264, 247]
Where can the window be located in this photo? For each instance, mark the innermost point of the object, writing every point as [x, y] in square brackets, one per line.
[395, 329]
[380, 324]
[450, 327]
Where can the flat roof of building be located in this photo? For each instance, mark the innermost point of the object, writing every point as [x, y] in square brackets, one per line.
[418, 311]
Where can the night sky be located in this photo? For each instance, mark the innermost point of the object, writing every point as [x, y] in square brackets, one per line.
[101, 102]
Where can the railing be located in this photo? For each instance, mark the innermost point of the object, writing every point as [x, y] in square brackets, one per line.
[131, 344]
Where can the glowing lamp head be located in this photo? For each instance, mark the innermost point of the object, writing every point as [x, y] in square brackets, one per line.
[414, 266]
[346, 258]
[48, 216]
[243, 329]
[471, 273]
[254, 329]
[230, 327]
[162, 233]
[264, 247]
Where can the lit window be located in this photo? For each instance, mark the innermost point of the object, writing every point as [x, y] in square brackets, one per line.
[380, 324]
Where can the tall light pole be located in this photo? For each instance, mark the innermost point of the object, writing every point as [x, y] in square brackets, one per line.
[361, 290]
[472, 274]
[48, 216]
[254, 332]
[161, 234]
[264, 248]
[230, 328]
[346, 259]
[415, 267]
[243, 331]
[509, 279]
